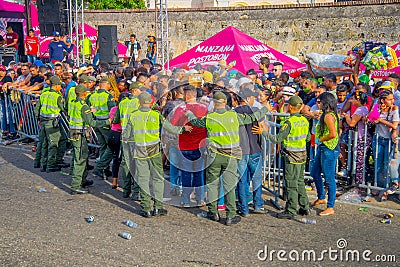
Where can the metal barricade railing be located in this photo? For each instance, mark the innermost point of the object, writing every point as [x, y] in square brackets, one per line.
[21, 107]
[369, 182]
[20, 111]
[273, 172]
[64, 126]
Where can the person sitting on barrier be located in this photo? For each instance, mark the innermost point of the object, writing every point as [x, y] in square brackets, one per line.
[294, 135]
[385, 134]
[363, 138]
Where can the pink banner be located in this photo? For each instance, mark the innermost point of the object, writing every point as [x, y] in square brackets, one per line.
[231, 45]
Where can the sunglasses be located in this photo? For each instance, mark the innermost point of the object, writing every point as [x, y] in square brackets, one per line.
[318, 101]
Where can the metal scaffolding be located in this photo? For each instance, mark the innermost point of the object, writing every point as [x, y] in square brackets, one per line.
[161, 9]
[76, 29]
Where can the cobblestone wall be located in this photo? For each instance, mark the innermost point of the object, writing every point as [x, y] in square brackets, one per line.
[296, 29]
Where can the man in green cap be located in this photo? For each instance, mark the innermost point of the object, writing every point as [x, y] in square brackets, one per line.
[48, 109]
[125, 108]
[81, 117]
[102, 100]
[294, 135]
[223, 153]
[142, 135]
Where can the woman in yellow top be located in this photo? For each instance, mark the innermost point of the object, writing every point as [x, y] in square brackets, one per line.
[327, 134]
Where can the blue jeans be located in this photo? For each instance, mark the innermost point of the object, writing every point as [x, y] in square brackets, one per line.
[192, 174]
[96, 59]
[325, 162]
[6, 119]
[382, 159]
[253, 165]
[31, 58]
[174, 157]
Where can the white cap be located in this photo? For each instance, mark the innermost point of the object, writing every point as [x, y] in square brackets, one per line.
[287, 90]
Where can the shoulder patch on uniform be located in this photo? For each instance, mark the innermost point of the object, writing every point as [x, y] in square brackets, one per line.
[284, 126]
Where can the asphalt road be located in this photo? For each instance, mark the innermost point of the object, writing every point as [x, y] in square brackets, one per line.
[49, 229]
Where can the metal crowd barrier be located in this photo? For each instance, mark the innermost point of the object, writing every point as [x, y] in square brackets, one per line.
[273, 172]
[21, 107]
[92, 142]
[20, 112]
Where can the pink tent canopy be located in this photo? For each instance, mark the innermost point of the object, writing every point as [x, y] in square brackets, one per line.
[231, 44]
[11, 6]
[380, 74]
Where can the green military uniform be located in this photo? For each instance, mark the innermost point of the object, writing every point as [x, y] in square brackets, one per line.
[103, 101]
[125, 108]
[142, 132]
[71, 96]
[41, 146]
[294, 134]
[223, 151]
[48, 110]
[80, 118]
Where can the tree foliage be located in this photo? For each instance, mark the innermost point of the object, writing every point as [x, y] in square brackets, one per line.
[116, 4]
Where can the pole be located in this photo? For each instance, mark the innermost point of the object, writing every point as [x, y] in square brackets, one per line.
[28, 14]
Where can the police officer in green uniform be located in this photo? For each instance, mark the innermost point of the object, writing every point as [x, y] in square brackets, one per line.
[223, 153]
[143, 136]
[102, 100]
[125, 108]
[80, 117]
[294, 135]
[48, 109]
[41, 146]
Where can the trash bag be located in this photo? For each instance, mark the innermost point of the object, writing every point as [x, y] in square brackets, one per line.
[323, 64]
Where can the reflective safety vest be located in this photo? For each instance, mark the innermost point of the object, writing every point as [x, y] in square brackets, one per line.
[146, 127]
[100, 101]
[71, 94]
[48, 104]
[126, 108]
[296, 140]
[75, 114]
[223, 129]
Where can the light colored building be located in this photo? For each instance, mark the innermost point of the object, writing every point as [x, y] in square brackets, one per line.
[232, 3]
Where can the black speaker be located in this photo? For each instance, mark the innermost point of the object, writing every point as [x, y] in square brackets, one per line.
[108, 43]
[53, 16]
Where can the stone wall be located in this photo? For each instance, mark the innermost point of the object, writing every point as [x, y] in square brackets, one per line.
[294, 29]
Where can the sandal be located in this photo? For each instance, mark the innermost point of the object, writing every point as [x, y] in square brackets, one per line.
[382, 196]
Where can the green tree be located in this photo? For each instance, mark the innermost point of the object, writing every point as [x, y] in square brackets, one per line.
[116, 4]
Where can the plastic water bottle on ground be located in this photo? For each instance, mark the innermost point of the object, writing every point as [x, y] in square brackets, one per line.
[42, 190]
[90, 219]
[308, 221]
[202, 214]
[131, 224]
[125, 235]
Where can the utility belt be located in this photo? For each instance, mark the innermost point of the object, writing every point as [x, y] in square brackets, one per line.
[55, 120]
[74, 134]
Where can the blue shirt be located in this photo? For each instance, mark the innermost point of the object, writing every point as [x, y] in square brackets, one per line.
[56, 50]
[71, 84]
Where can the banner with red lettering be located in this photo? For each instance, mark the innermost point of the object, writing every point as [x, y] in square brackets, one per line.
[233, 45]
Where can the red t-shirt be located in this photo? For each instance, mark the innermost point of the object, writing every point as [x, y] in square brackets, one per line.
[32, 45]
[196, 138]
[10, 37]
